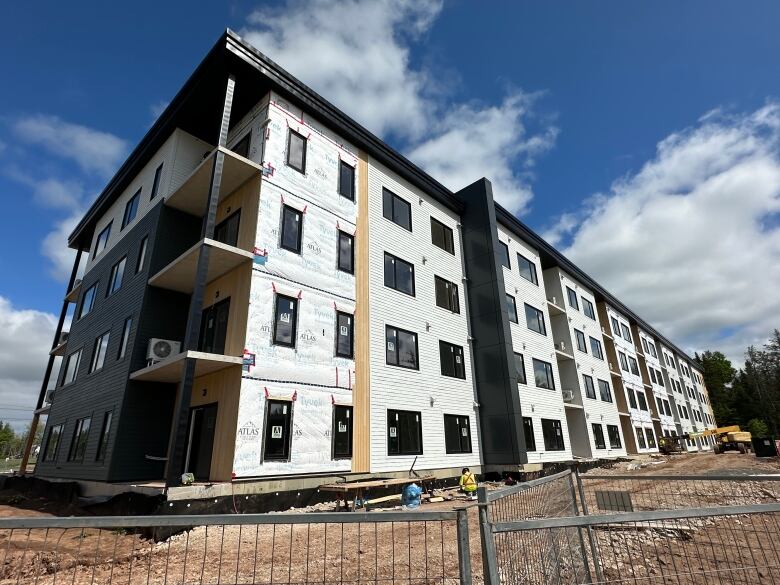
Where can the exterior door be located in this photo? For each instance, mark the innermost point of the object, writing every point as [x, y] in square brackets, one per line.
[213, 327]
[203, 423]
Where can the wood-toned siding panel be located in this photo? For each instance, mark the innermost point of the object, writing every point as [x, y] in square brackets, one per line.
[246, 198]
[235, 284]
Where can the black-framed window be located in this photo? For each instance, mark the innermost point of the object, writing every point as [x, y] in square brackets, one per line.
[99, 351]
[226, 231]
[640, 437]
[605, 391]
[396, 209]
[520, 367]
[78, 444]
[446, 294]
[633, 366]
[511, 308]
[125, 339]
[404, 432]
[640, 397]
[615, 326]
[292, 229]
[131, 209]
[651, 347]
[88, 300]
[651, 371]
[590, 389]
[278, 430]
[543, 374]
[631, 397]
[623, 361]
[527, 269]
[457, 434]
[534, 318]
[650, 438]
[598, 436]
[614, 437]
[528, 433]
[52, 443]
[72, 367]
[452, 362]
[296, 151]
[587, 308]
[117, 275]
[346, 180]
[156, 182]
[139, 263]
[401, 348]
[102, 240]
[503, 252]
[241, 147]
[399, 274]
[580, 337]
[442, 236]
[667, 408]
[346, 252]
[644, 344]
[571, 294]
[660, 404]
[626, 332]
[105, 431]
[285, 320]
[345, 327]
[342, 431]
[553, 435]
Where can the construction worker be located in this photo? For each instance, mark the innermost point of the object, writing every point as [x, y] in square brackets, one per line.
[468, 483]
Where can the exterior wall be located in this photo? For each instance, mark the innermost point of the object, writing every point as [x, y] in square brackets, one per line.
[672, 379]
[652, 360]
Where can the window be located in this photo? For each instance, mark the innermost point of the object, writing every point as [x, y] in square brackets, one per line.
[397, 210]
[278, 419]
[511, 308]
[623, 361]
[651, 371]
[660, 404]
[626, 332]
[527, 269]
[651, 347]
[104, 434]
[441, 236]
[285, 320]
[446, 294]
[342, 432]
[344, 335]
[634, 366]
[125, 338]
[553, 435]
[72, 367]
[614, 437]
[543, 374]
[139, 264]
[650, 438]
[615, 326]
[631, 397]
[640, 396]
[346, 180]
[296, 151]
[292, 229]
[52, 443]
[88, 301]
[451, 357]
[404, 433]
[102, 240]
[590, 389]
[644, 344]
[580, 336]
[99, 352]
[604, 391]
[346, 253]
[595, 348]
[587, 308]
[520, 367]
[457, 434]
[640, 436]
[117, 274]
[226, 231]
[667, 409]
[598, 436]
[241, 147]
[156, 182]
[534, 318]
[131, 209]
[503, 252]
[78, 444]
[572, 295]
[528, 432]
[401, 348]
[399, 274]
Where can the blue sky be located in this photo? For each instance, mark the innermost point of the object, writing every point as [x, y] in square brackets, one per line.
[591, 118]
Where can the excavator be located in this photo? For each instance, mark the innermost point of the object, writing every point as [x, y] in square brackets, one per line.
[730, 438]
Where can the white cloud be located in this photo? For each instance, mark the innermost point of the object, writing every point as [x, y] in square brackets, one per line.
[51, 192]
[55, 247]
[158, 108]
[93, 150]
[692, 240]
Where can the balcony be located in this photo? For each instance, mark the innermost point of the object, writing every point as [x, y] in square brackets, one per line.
[60, 348]
[554, 307]
[179, 275]
[73, 294]
[170, 370]
[192, 196]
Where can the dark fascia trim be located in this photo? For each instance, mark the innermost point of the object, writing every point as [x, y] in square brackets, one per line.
[528, 235]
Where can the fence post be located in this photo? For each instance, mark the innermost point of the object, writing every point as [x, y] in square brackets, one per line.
[464, 547]
[489, 568]
[591, 537]
[583, 552]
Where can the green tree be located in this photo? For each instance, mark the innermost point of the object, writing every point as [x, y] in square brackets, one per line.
[757, 427]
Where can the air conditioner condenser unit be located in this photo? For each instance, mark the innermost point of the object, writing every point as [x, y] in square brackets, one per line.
[159, 349]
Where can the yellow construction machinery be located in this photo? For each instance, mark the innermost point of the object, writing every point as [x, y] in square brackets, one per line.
[727, 439]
